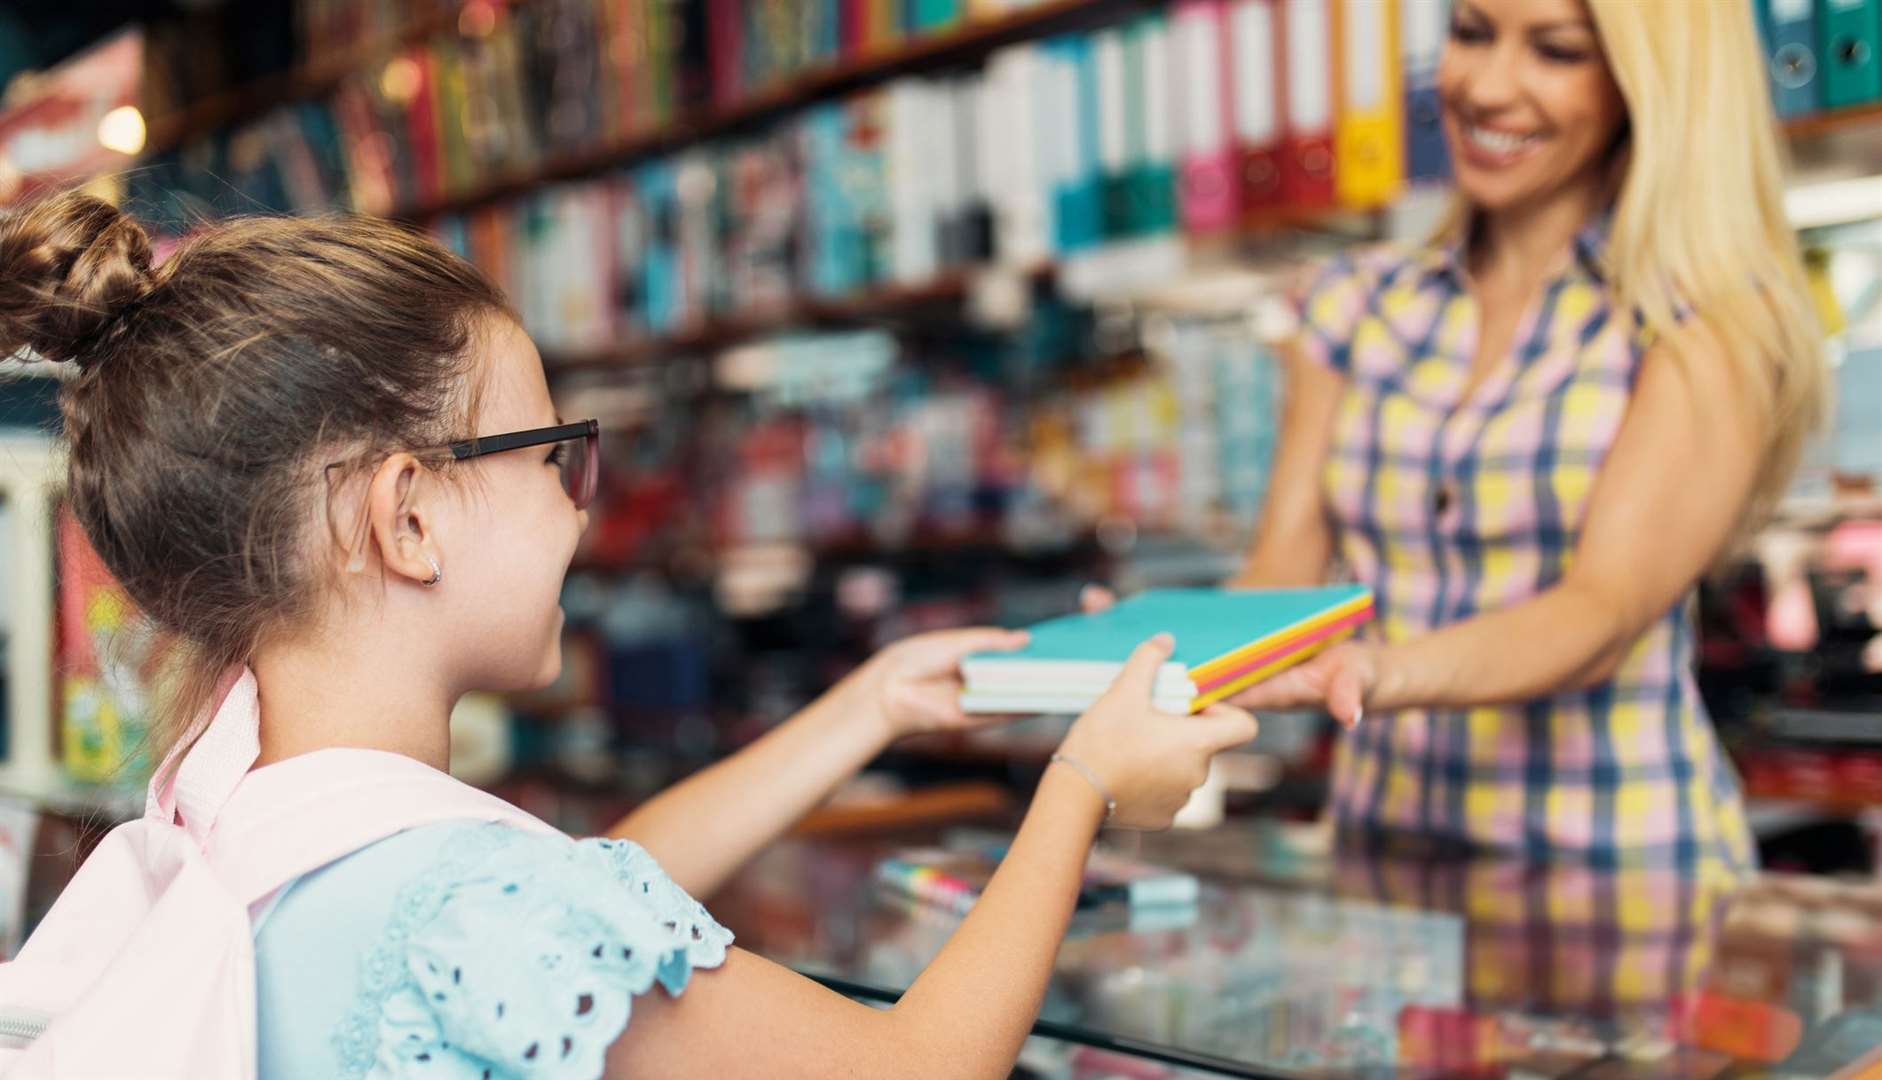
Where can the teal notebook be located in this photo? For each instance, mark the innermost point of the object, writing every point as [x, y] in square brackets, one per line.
[1226, 640]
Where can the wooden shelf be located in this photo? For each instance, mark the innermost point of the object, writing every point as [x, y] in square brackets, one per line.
[985, 541]
[1818, 125]
[871, 305]
[945, 805]
[962, 750]
[1826, 802]
[305, 81]
[924, 53]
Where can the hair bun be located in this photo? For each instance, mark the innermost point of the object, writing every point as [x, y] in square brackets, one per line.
[71, 267]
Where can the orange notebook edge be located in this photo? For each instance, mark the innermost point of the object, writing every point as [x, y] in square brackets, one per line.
[1236, 686]
[1201, 673]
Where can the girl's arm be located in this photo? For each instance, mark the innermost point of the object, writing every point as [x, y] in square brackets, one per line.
[966, 1016]
[968, 1013]
[704, 828]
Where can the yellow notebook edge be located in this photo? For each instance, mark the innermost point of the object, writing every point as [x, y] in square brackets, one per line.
[1201, 673]
[1236, 686]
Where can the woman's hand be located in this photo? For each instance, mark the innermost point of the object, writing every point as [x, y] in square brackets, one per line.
[1339, 680]
[1147, 760]
[914, 685]
[1095, 598]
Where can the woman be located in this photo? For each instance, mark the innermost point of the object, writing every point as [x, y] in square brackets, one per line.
[1532, 435]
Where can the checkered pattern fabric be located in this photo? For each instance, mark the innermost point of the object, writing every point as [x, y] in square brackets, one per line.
[1451, 500]
[1558, 938]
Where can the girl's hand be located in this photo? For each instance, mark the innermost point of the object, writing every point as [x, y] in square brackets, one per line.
[1147, 760]
[1339, 680]
[914, 685]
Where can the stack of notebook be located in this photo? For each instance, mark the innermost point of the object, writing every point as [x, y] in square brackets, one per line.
[1226, 641]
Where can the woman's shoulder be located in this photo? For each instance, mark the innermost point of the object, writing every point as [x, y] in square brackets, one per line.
[1335, 294]
[1367, 268]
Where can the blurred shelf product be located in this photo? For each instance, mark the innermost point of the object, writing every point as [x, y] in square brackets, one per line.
[573, 149]
[841, 446]
[28, 749]
[337, 41]
[83, 804]
[705, 65]
[872, 306]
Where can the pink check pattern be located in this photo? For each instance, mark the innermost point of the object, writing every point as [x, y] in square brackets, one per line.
[1450, 500]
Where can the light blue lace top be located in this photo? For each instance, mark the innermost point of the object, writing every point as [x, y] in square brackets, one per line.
[470, 950]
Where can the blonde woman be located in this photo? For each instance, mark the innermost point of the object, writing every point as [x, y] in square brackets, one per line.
[1533, 435]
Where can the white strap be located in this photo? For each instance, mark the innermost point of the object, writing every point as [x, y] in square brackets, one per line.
[227, 740]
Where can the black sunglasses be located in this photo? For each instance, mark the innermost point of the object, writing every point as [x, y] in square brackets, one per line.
[580, 463]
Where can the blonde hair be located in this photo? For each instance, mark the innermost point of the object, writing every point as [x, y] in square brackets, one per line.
[1698, 225]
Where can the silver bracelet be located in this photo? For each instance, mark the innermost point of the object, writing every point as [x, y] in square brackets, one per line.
[1110, 804]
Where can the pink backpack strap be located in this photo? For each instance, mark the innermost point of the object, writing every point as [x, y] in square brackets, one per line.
[202, 770]
[298, 815]
[145, 965]
[262, 828]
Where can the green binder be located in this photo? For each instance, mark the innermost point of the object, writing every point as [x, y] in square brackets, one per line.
[1851, 35]
[1148, 52]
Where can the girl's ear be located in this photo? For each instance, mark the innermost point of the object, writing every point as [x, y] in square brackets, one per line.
[400, 500]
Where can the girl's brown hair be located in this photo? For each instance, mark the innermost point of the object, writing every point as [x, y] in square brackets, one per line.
[213, 391]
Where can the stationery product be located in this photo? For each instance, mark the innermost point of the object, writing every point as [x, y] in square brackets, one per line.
[1114, 100]
[1308, 161]
[1789, 32]
[1368, 135]
[1154, 183]
[1226, 640]
[1256, 75]
[1421, 36]
[1851, 32]
[952, 878]
[1071, 136]
[1210, 195]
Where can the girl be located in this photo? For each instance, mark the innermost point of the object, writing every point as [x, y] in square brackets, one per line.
[255, 433]
[1531, 435]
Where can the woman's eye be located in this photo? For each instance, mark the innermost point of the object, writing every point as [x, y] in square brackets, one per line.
[557, 454]
[1562, 54]
[1467, 33]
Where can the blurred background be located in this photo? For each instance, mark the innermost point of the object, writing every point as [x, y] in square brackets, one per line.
[897, 314]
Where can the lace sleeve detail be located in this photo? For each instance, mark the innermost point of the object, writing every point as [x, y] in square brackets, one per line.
[522, 959]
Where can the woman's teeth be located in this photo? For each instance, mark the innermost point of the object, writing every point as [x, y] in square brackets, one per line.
[1498, 142]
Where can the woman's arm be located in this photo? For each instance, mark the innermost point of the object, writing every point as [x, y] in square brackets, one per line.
[704, 828]
[1294, 542]
[1665, 501]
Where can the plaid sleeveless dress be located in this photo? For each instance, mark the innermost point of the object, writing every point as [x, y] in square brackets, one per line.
[1451, 503]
